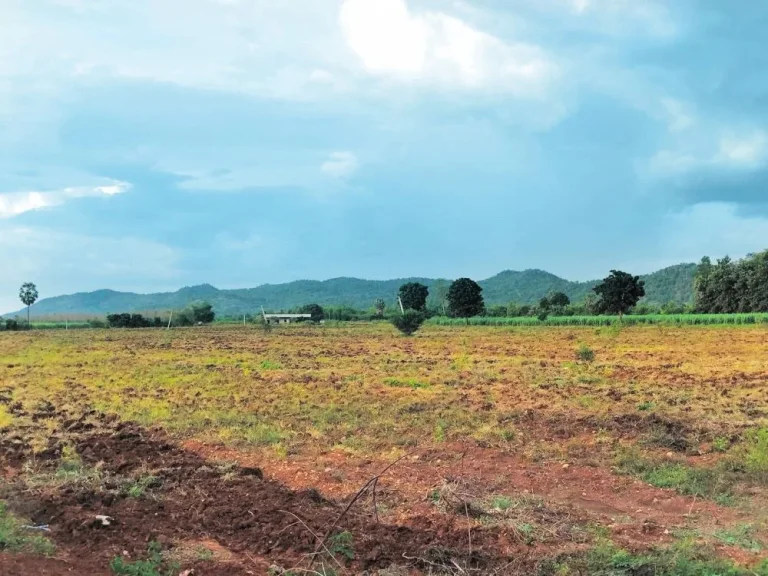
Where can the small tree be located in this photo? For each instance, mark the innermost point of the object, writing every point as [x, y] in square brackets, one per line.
[380, 306]
[465, 298]
[315, 310]
[28, 295]
[440, 293]
[408, 322]
[201, 312]
[544, 304]
[559, 299]
[619, 292]
[413, 295]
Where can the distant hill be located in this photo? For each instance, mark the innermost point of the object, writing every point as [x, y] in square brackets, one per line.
[673, 284]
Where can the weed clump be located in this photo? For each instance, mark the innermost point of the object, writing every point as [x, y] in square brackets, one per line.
[585, 354]
[154, 565]
[14, 537]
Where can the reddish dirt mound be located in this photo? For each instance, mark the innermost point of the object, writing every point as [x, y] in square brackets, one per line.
[21, 565]
[243, 512]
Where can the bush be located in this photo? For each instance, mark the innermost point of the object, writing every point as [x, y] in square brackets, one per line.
[201, 312]
[11, 324]
[409, 322]
[585, 353]
[195, 313]
[315, 310]
[128, 321]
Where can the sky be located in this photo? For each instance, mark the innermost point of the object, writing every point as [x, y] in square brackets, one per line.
[146, 145]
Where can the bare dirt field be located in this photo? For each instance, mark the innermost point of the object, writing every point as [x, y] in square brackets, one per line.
[350, 450]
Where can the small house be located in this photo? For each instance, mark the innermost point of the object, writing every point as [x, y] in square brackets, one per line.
[286, 318]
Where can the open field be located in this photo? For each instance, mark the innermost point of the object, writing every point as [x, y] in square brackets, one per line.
[229, 450]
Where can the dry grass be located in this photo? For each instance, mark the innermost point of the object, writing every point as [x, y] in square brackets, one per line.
[666, 395]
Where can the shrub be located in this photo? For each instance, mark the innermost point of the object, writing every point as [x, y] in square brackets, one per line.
[585, 353]
[11, 324]
[409, 322]
[315, 310]
[202, 312]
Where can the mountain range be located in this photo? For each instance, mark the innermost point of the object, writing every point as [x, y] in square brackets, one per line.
[672, 284]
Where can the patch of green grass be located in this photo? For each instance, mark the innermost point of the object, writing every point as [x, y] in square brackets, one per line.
[269, 365]
[742, 535]
[438, 435]
[408, 383]
[645, 406]
[6, 418]
[203, 554]
[683, 559]
[342, 544]
[526, 531]
[721, 444]
[15, 538]
[756, 452]
[154, 565]
[711, 483]
[585, 401]
[136, 488]
[501, 503]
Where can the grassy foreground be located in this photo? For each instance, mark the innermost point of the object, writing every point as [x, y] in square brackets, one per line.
[680, 408]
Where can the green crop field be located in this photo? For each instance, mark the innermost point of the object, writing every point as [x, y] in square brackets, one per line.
[683, 319]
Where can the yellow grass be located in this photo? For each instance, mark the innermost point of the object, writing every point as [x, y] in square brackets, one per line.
[363, 388]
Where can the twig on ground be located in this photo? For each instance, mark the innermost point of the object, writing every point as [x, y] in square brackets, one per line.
[372, 482]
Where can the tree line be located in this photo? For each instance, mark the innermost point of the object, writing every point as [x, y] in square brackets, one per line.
[727, 286]
[618, 293]
[730, 286]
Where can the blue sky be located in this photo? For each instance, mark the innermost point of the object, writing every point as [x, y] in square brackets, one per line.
[151, 144]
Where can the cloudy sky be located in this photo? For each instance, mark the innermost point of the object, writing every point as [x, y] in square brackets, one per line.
[151, 144]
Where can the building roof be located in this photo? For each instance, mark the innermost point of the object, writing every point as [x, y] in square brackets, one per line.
[288, 315]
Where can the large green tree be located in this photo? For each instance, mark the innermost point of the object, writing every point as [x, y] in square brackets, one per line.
[465, 298]
[559, 299]
[315, 310]
[732, 286]
[619, 292]
[413, 295]
[28, 295]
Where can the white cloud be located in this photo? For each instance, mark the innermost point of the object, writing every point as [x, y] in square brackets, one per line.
[340, 165]
[747, 150]
[730, 151]
[16, 203]
[394, 42]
